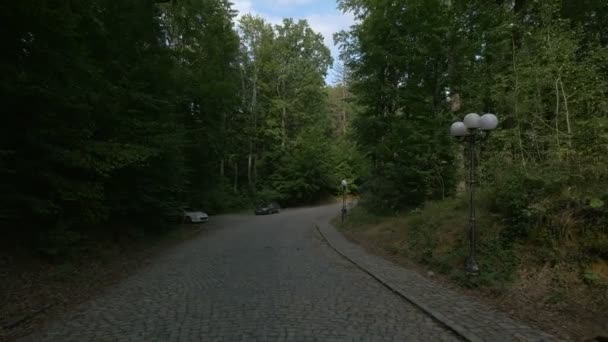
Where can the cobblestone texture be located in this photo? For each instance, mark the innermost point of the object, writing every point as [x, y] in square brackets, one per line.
[267, 278]
[469, 318]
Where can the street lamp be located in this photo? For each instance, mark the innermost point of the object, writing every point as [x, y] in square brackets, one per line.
[344, 184]
[473, 128]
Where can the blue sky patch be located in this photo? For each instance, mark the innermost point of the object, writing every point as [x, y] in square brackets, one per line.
[322, 15]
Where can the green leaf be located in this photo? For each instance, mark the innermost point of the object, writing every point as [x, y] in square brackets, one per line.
[596, 203]
[591, 277]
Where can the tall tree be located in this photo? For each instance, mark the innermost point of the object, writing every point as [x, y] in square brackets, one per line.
[399, 65]
[257, 39]
[540, 65]
[283, 70]
[302, 63]
[206, 48]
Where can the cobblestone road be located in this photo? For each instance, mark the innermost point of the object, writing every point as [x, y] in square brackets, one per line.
[267, 278]
[471, 319]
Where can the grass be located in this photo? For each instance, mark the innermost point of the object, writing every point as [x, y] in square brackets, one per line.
[436, 236]
[521, 276]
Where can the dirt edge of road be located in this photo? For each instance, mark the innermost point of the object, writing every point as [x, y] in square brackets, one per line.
[36, 292]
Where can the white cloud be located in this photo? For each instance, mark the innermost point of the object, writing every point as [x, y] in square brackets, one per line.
[247, 7]
[293, 2]
[327, 25]
[243, 6]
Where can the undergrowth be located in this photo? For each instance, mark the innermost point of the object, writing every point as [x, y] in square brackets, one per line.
[436, 236]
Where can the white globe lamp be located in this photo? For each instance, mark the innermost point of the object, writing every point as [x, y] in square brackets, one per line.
[472, 120]
[488, 122]
[458, 129]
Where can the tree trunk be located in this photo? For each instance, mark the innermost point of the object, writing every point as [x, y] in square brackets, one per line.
[343, 106]
[255, 170]
[236, 176]
[249, 164]
[516, 106]
[557, 116]
[254, 104]
[222, 167]
[568, 126]
[284, 135]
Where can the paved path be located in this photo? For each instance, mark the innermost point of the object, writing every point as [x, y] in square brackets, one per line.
[469, 318]
[268, 278]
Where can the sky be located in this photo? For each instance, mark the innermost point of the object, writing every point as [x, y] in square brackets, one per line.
[323, 17]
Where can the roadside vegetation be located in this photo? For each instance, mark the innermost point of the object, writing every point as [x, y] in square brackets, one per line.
[541, 66]
[565, 294]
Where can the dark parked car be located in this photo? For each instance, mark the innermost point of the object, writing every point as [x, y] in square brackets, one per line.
[267, 209]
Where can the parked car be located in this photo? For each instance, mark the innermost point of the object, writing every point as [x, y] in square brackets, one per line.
[268, 208]
[195, 216]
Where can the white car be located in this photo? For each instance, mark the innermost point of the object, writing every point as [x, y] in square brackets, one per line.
[193, 216]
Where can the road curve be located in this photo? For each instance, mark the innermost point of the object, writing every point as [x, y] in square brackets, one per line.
[249, 278]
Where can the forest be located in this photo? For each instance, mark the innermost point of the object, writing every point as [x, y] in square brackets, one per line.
[121, 113]
[540, 66]
[417, 66]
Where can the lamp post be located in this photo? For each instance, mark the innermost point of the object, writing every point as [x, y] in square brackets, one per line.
[344, 184]
[472, 129]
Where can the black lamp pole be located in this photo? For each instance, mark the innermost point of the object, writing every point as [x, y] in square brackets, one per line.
[470, 129]
[344, 185]
[471, 263]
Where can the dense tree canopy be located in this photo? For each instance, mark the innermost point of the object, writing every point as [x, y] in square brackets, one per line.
[419, 65]
[125, 111]
[118, 112]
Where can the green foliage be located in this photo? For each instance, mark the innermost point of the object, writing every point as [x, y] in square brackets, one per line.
[519, 195]
[359, 216]
[292, 155]
[128, 111]
[540, 65]
[305, 170]
[222, 198]
[591, 277]
[396, 82]
[435, 235]
[98, 116]
[596, 203]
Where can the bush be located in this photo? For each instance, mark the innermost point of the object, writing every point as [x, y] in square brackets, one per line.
[437, 236]
[59, 242]
[520, 196]
[558, 207]
[268, 195]
[222, 198]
